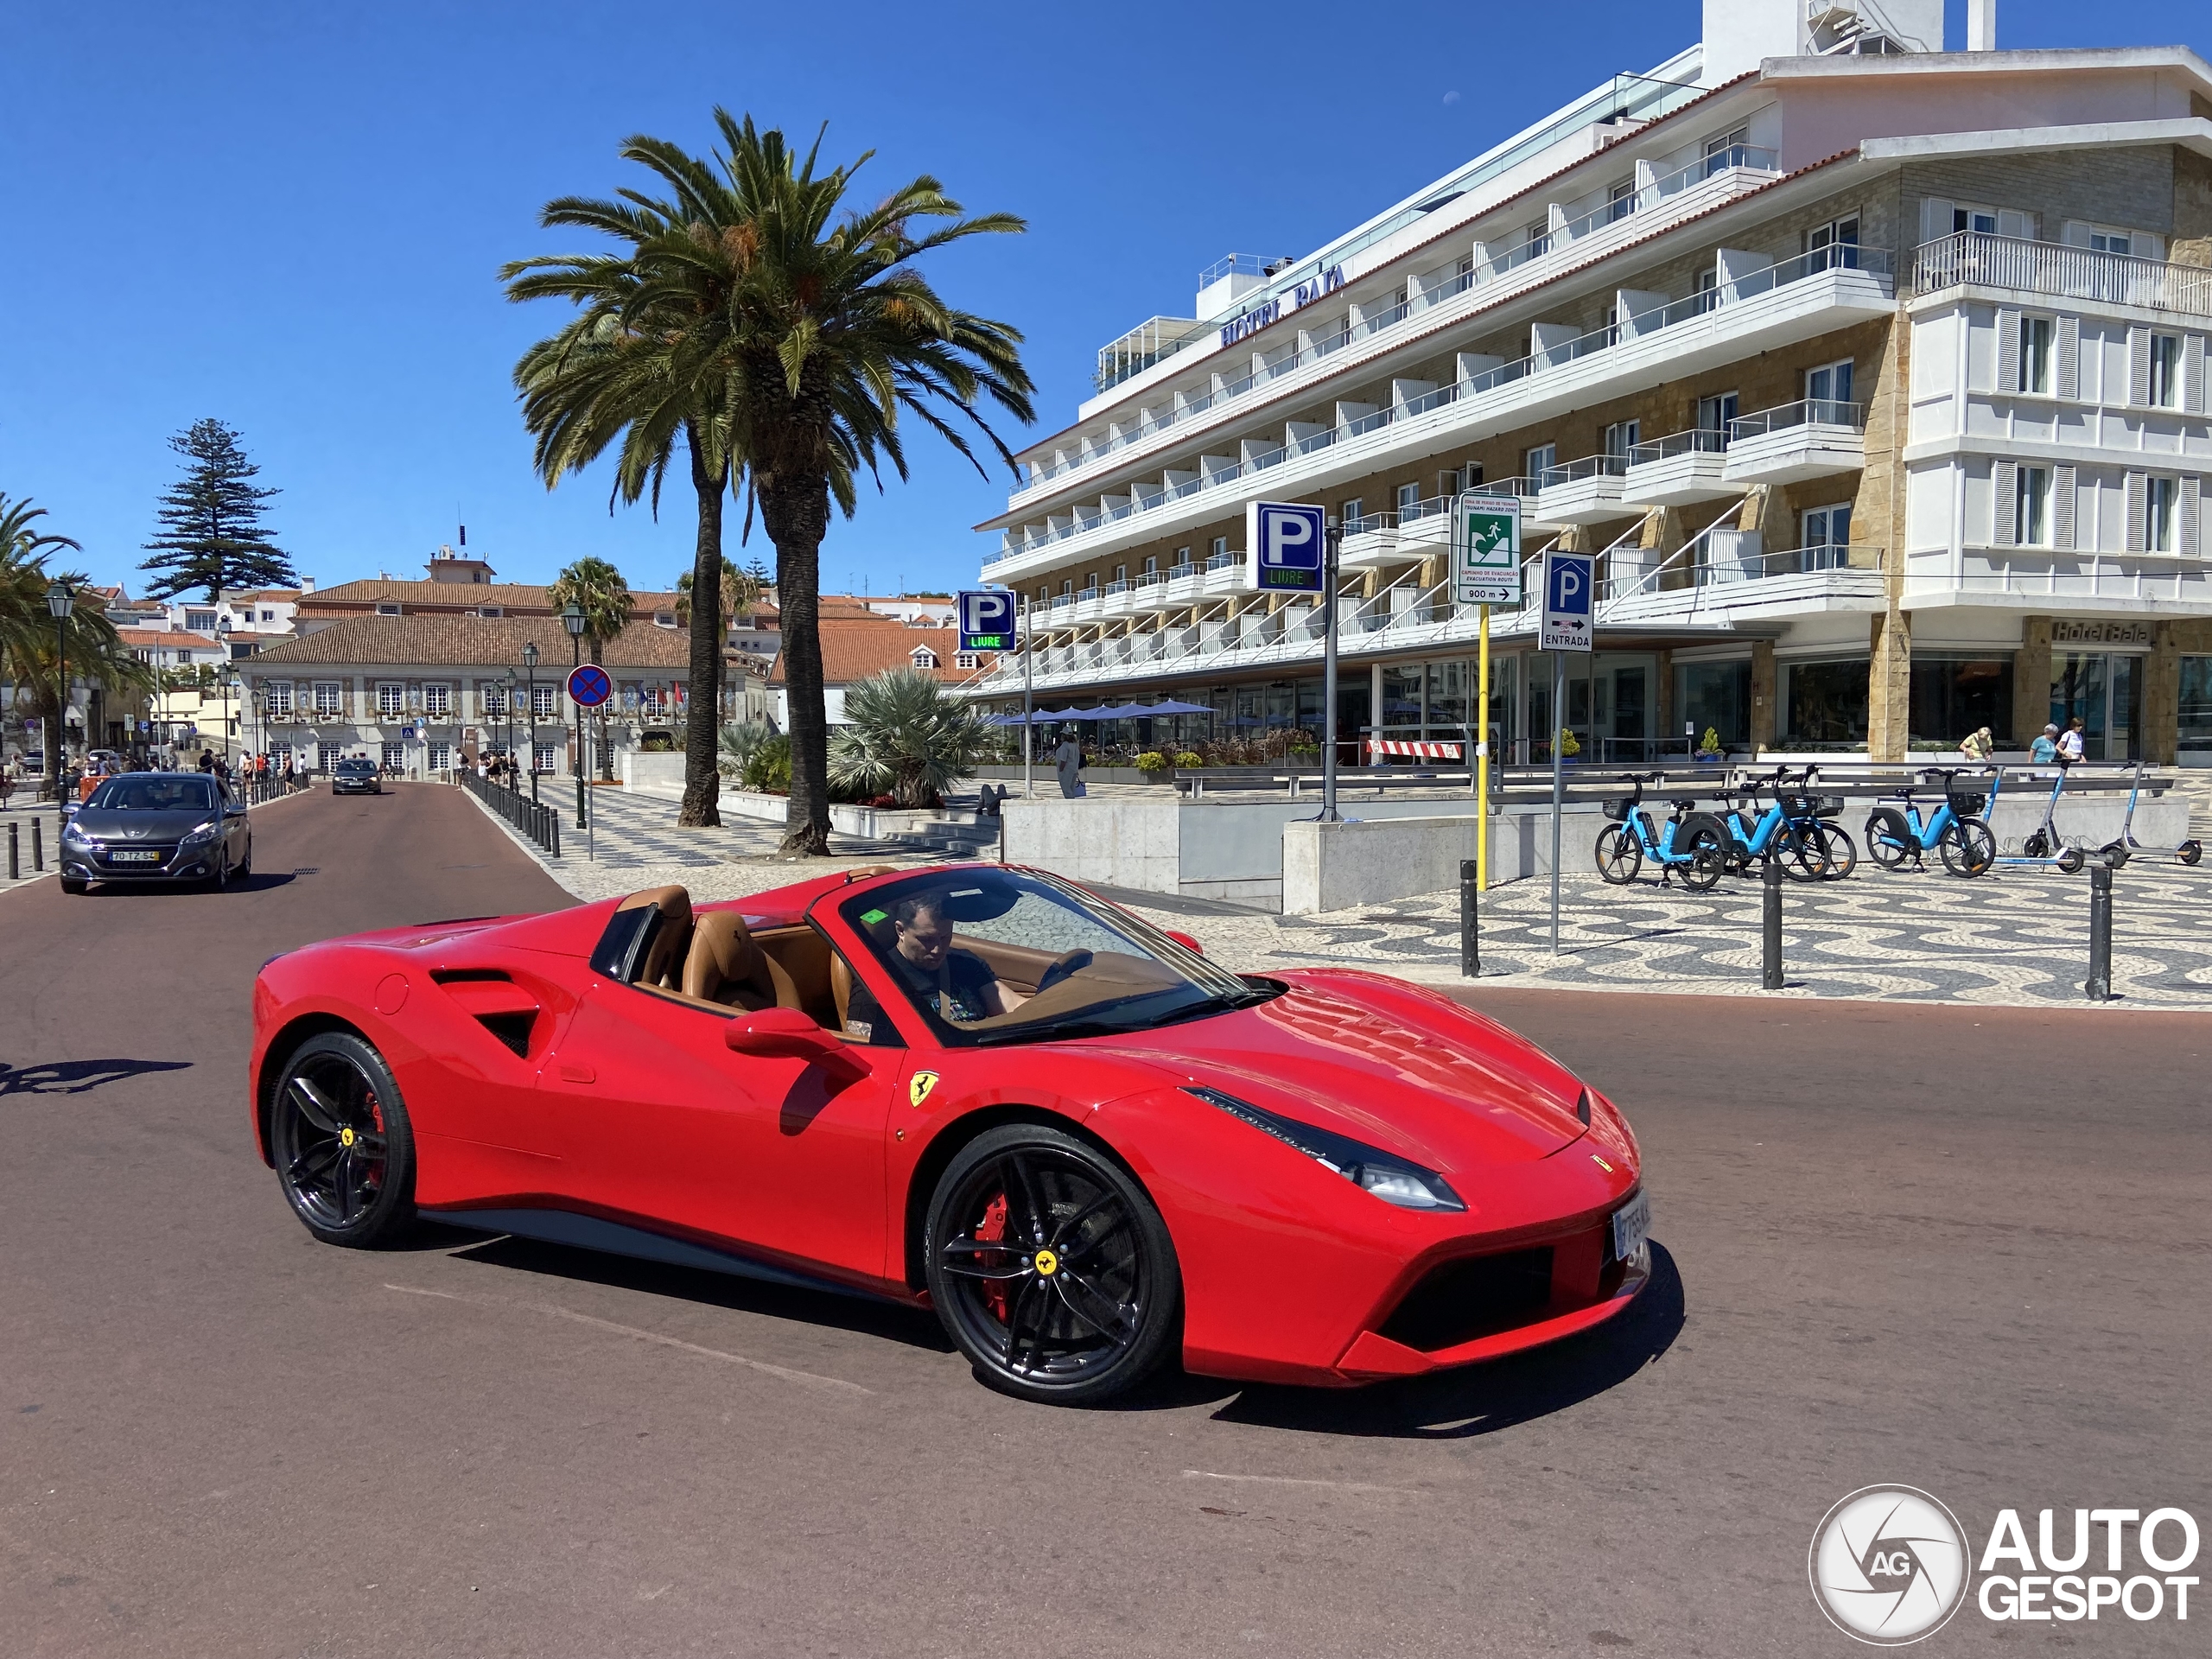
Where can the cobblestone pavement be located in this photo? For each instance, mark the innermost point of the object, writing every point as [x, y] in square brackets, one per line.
[2015, 936]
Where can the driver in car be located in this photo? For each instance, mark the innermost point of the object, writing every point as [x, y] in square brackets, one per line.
[958, 984]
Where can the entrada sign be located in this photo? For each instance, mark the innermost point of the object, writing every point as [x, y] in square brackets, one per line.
[1259, 316]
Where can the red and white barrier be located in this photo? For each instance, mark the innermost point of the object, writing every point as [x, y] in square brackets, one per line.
[1379, 746]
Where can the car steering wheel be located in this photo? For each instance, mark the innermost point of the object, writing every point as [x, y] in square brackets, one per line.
[1061, 966]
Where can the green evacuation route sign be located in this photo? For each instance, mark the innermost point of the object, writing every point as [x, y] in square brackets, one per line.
[1486, 549]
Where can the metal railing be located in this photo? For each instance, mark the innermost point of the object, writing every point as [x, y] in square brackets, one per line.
[2061, 271]
[1589, 467]
[542, 824]
[1806, 411]
[1877, 262]
[1699, 440]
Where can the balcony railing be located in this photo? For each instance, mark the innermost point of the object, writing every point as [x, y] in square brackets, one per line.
[2061, 272]
[1588, 467]
[1699, 440]
[1154, 342]
[1806, 411]
[1847, 256]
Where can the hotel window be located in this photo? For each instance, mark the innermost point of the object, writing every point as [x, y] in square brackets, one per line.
[437, 700]
[963, 659]
[1182, 559]
[1727, 149]
[1714, 414]
[1707, 291]
[1830, 385]
[280, 698]
[441, 756]
[391, 699]
[329, 698]
[2110, 242]
[1120, 576]
[1537, 237]
[1408, 499]
[1220, 552]
[2161, 497]
[2035, 354]
[1539, 461]
[1067, 587]
[1827, 533]
[1620, 201]
[1982, 221]
[2165, 371]
[1834, 245]
[543, 700]
[1152, 564]
[1351, 514]
[2032, 508]
[1621, 437]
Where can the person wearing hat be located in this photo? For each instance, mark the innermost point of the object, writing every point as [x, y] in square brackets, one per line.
[2045, 750]
[1067, 762]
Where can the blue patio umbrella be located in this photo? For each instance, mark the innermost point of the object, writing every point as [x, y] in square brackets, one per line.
[1171, 707]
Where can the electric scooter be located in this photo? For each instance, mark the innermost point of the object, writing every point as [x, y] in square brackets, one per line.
[2116, 853]
[2042, 845]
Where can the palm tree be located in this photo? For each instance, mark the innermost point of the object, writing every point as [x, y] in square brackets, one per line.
[596, 588]
[26, 625]
[783, 348]
[740, 593]
[96, 655]
[907, 734]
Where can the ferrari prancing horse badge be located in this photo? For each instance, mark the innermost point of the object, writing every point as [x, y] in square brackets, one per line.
[919, 1090]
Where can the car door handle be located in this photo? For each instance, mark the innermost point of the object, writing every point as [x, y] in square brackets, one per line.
[572, 1072]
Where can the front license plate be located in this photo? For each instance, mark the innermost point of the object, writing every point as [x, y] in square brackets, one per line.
[134, 858]
[1631, 1224]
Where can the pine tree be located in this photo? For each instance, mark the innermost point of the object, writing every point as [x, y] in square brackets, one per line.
[211, 531]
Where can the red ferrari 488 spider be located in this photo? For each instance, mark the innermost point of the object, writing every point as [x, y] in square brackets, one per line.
[974, 1088]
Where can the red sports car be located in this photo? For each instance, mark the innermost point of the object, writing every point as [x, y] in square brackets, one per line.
[974, 1088]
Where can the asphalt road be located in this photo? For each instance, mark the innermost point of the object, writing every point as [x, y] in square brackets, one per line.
[1961, 1250]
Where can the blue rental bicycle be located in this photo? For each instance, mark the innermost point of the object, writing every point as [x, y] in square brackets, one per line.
[1688, 845]
[1955, 828]
[1794, 830]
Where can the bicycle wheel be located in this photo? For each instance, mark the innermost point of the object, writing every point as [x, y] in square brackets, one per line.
[2070, 860]
[1837, 849]
[1618, 856]
[1801, 855]
[1968, 848]
[1888, 839]
[1703, 870]
[2036, 846]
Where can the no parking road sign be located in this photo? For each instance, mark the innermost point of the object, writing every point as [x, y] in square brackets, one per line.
[589, 686]
[987, 619]
[1566, 601]
[1286, 542]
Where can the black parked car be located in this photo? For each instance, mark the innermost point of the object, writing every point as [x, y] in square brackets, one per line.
[356, 777]
[158, 826]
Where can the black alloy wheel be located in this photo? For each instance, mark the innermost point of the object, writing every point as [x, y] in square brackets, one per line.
[1889, 840]
[1619, 856]
[1967, 848]
[1799, 852]
[344, 1148]
[1051, 1267]
[1839, 853]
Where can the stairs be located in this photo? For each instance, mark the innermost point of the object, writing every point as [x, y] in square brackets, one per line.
[948, 839]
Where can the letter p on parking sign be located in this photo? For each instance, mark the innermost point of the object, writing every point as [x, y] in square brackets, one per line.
[1286, 544]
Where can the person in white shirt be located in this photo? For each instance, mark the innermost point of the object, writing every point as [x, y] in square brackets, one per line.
[2070, 748]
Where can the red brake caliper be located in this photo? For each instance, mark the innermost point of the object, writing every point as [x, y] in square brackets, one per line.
[990, 1231]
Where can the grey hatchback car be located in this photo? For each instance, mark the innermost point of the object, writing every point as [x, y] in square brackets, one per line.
[158, 826]
[356, 776]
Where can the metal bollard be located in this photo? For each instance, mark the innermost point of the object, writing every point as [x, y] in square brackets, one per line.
[1770, 908]
[14, 854]
[1470, 954]
[2099, 987]
[553, 828]
[38, 847]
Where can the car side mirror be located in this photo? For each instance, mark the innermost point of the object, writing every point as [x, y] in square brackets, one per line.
[1186, 941]
[782, 1034]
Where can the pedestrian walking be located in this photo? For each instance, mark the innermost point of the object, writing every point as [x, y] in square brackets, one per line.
[2072, 743]
[1067, 763]
[2045, 750]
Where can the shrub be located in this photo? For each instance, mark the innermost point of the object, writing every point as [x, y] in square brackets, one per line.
[906, 734]
[1711, 744]
[1152, 761]
[737, 744]
[1186, 760]
[1569, 744]
[768, 770]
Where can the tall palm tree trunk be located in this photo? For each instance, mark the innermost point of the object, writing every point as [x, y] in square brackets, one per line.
[702, 779]
[795, 511]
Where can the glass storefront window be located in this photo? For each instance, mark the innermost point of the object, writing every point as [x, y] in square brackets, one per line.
[1955, 697]
[2197, 708]
[1448, 682]
[1716, 697]
[1402, 691]
[2103, 692]
[1823, 704]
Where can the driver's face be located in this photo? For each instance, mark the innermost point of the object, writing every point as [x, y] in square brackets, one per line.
[925, 941]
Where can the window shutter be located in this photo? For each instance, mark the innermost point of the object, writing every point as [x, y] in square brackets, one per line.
[2004, 480]
[2190, 537]
[2075, 234]
[2008, 350]
[2013, 223]
[2192, 373]
[2061, 506]
[1935, 218]
[2139, 366]
[2069, 358]
[2136, 489]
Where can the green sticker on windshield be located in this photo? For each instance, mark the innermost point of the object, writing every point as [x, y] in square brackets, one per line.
[872, 916]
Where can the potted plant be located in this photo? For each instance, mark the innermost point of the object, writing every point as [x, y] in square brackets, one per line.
[1189, 761]
[1152, 766]
[1709, 752]
[1569, 746]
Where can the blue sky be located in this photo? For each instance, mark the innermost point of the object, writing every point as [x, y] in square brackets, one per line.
[291, 216]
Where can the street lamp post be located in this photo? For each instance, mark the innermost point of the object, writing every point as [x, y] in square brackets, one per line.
[572, 618]
[507, 705]
[61, 600]
[530, 668]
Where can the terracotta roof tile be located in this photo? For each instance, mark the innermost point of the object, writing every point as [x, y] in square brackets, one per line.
[853, 649]
[472, 642]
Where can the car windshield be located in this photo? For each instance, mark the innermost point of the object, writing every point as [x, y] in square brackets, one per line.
[988, 957]
[355, 768]
[155, 792]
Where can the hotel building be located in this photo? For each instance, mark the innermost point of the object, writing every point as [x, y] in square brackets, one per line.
[1872, 373]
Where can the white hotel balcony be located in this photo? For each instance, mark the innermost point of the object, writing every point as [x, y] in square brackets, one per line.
[1814, 437]
[1679, 470]
[1754, 309]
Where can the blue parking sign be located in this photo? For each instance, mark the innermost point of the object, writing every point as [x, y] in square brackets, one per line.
[987, 619]
[1569, 593]
[1286, 544]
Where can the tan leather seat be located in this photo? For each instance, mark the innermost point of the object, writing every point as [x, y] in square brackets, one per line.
[671, 945]
[727, 966]
[840, 987]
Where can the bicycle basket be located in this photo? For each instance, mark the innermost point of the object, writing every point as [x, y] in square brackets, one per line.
[1969, 804]
[1618, 811]
[1828, 806]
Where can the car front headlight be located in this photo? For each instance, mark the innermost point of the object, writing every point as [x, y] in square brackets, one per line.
[1391, 1178]
[74, 832]
[204, 834]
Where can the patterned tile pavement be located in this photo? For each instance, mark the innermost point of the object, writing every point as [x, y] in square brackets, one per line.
[2017, 937]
